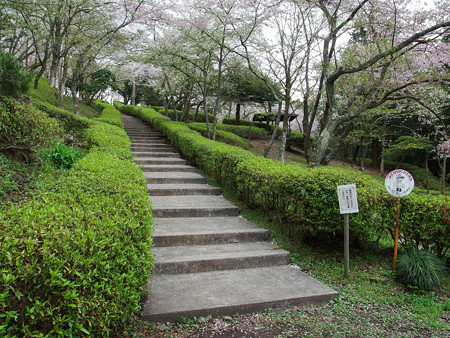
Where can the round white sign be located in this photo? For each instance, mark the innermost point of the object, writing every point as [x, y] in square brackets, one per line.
[399, 183]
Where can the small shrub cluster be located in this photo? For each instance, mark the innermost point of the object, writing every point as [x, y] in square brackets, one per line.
[307, 198]
[189, 118]
[109, 114]
[268, 127]
[222, 136]
[72, 124]
[420, 268]
[23, 127]
[62, 156]
[76, 255]
[12, 80]
[44, 93]
[247, 132]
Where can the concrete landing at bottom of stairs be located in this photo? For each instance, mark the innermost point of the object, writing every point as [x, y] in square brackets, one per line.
[231, 291]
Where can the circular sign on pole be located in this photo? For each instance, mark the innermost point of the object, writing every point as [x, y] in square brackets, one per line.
[399, 183]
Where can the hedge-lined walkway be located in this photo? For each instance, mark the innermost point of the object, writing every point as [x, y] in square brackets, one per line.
[208, 260]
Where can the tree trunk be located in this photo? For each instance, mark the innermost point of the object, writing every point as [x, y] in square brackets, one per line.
[323, 142]
[274, 133]
[133, 92]
[428, 175]
[375, 153]
[444, 172]
[363, 156]
[238, 113]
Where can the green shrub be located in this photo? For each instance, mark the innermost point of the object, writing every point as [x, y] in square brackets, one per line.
[62, 156]
[44, 92]
[420, 268]
[268, 127]
[247, 132]
[222, 136]
[109, 114]
[75, 257]
[23, 127]
[295, 139]
[72, 124]
[12, 80]
[306, 198]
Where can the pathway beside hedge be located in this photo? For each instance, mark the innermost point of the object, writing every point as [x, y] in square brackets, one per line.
[208, 260]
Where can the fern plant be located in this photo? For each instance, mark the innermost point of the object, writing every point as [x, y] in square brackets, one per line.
[62, 156]
[420, 268]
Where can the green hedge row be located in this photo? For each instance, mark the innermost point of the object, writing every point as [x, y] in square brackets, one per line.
[76, 256]
[262, 125]
[191, 116]
[222, 135]
[247, 132]
[109, 114]
[306, 198]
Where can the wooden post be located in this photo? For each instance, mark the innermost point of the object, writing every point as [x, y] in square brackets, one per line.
[396, 233]
[346, 246]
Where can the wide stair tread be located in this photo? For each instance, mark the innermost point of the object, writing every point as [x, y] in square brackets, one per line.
[177, 189]
[172, 296]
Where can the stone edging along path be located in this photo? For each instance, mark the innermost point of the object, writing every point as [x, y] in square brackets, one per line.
[208, 259]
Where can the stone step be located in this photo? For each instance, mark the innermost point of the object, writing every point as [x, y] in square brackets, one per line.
[150, 147]
[168, 168]
[215, 293]
[202, 258]
[155, 144]
[174, 178]
[159, 161]
[146, 139]
[192, 206]
[137, 154]
[159, 189]
[205, 230]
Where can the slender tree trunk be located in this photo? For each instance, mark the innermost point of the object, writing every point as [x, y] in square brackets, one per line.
[238, 113]
[133, 92]
[428, 175]
[363, 156]
[275, 130]
[444, 172]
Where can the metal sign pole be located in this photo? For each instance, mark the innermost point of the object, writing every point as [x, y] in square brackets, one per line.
[348, 204]
[346, 246]
[397, 221]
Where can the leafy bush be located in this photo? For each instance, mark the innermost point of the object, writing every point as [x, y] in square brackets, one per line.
[420, 268]
[222, 136]
[12, 80]
[247, 132]
[75, 257]
[72, 124]
[62, 156]
[44, 92]
[109, 114]
[268, 127]
[295, 139]
[306, 198]
[23, 127]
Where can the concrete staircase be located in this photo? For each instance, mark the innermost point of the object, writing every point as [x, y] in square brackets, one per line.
[208, 259]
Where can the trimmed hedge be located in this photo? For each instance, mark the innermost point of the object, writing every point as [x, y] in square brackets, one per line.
[306, 198]
[109, 114]
[247, 132]
[222, 136]
[75, 257]
[262, 125]
[191, 116]
[23, 127]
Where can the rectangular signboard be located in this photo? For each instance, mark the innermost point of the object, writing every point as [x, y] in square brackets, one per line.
[348, 201]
